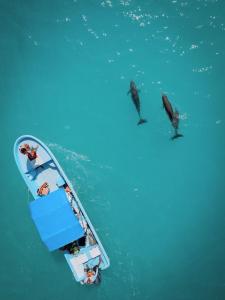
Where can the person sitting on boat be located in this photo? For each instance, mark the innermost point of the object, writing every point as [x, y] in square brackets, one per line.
[92, 274]
[30, 152]
[43, 189]
[72, 248]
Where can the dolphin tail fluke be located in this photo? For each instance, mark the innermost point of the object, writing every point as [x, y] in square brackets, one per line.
[141, 121]
[176, 135]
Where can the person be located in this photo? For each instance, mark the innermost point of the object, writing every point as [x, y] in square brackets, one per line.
[68, 191]
[30, 152]
[72, 248]
[92, 274]
[43, 189]
[70, 198]
[90, 238]
[75, 207]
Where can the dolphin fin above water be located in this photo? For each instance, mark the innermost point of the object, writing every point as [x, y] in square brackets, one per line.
[142, 121]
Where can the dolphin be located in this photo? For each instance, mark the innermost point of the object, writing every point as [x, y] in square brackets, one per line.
[173, 116]
[135, 97]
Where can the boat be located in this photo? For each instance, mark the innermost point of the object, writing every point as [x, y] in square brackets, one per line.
[57, 212]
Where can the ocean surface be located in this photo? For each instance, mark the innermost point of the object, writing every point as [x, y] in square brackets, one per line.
[158, 205]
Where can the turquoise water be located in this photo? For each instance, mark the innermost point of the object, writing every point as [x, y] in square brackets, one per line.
[157, 205]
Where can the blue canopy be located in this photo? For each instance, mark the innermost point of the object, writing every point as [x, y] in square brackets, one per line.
[55, 220]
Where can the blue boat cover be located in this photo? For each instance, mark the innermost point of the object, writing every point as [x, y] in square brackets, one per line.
[55, 220]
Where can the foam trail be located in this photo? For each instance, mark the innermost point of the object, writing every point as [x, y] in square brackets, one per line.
[72, 156]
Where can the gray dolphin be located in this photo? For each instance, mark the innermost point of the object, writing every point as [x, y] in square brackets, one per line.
[135, 97]
[173, 116]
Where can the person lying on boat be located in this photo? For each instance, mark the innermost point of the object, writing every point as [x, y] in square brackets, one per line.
[90, 238]
[43, 189]
[75, 207]
[30, 152]
[92, 274]
[68, 191]
[82, 221]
